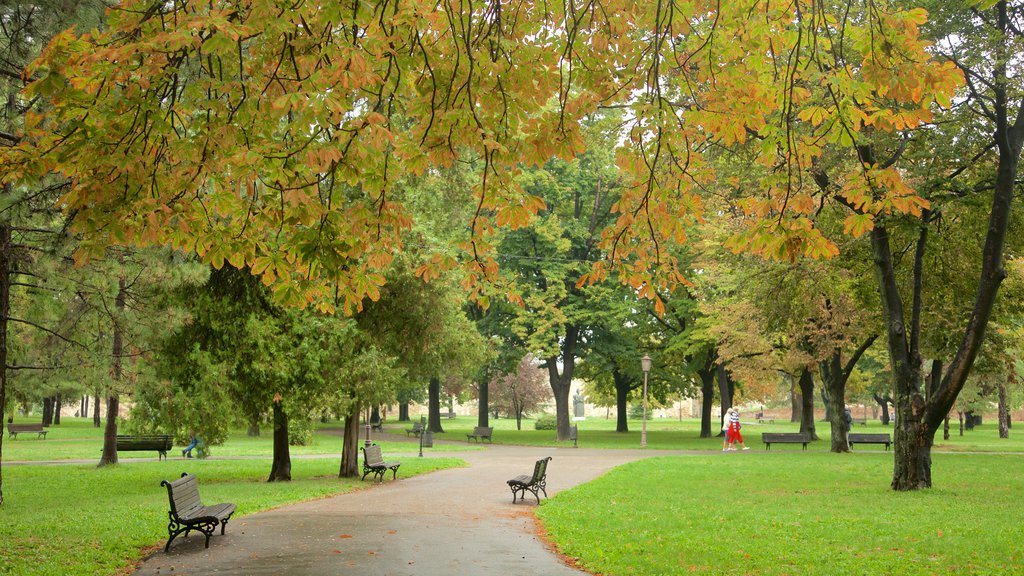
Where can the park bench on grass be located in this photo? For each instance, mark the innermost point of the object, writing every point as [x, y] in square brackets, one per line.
[536, 483]
[761, 418]
[770, 438]
[14, 429]
[377, 425]
[861, 421]
[574, 435]
[188, 513]
[870, 439]
[448, 414]
[374, 462]
[479, 433]
[417, 429]
[159, 442]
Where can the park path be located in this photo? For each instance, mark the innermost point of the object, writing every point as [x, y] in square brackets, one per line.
[452, 522]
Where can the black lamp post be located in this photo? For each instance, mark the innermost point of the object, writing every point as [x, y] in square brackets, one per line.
[645, 364]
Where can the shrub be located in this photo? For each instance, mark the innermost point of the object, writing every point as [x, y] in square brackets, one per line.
[546, 422]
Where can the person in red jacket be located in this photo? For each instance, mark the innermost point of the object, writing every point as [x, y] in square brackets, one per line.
[733, 434]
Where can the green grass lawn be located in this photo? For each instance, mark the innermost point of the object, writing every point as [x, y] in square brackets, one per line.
[793, 513]
[779, 512]
[78, 519]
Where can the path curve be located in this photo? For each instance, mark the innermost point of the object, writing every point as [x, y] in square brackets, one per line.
[455, 522]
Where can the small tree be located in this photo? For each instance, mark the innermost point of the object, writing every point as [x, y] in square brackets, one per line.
[521, 392]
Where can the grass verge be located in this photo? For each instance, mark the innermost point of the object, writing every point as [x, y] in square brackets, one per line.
[792, 513]
[79, 519]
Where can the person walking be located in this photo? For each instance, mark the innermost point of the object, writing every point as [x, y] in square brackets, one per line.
[193, 442]
[733, 435]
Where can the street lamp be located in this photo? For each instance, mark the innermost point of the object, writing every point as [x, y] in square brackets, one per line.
[645, 364]
[368, 443]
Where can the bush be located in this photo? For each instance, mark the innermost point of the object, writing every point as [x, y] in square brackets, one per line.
[300, 432]
[546, 422]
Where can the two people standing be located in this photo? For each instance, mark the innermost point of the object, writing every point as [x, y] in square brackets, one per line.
[731, 426]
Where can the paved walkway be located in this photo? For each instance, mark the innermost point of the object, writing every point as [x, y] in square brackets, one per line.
[452, 522]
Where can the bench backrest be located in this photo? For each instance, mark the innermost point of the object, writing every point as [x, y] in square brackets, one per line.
[37, 427]
[540, 469]
[417, 426]
[372, 455]
[156, 441]
[184, 495]
[870, 438]
[482, 430]
[784, 437]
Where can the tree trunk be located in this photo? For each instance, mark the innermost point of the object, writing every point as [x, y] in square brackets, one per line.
[117, 349]
[884, 403]
[1004, 413]
[96, 409]
[84, 409]
[403, 412]
[281, 467]
[796, 401]
[561, 383]
[825, 401]
[350, 446]
[434, 406]
[483, 403]
[254, 427]
[707, 393]
[623, 386]
[5, 307]
[832, 379]
[945, 428]
[47, 411]
[725, 394]
[57, 402]
[807, 407]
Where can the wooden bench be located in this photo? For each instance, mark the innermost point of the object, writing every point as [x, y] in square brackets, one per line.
[159, 442]
[188, 512]
[417, 429]
[761, 418]
[377, 425]
[535, 483]
[574, 435]
[448, 414]
[861, 438]
[479, 433]
[374, 462]
[861, 421]
[14, 429]
[770, 438]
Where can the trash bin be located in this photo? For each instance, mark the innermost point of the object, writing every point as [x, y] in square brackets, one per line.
[428, 439]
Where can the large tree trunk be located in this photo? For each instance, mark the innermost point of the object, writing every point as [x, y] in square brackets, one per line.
[561, 383]
[707, 393]
[807, 407]
[403, 412]
[281, 467]
[350, 446]
[725, 394]
[623, 386]
[832, 379]
[483, 403]
[109, 455]
[57, 402]
[434, 406]
[254, 427]
[5, 307]
[825, 401]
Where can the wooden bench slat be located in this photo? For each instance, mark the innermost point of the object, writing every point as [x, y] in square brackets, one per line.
[480, 433]
[143, 442]
[37, 427]
[770, 438]
[188, 513]
[373, 461]
[535, 483]
[868, 438]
